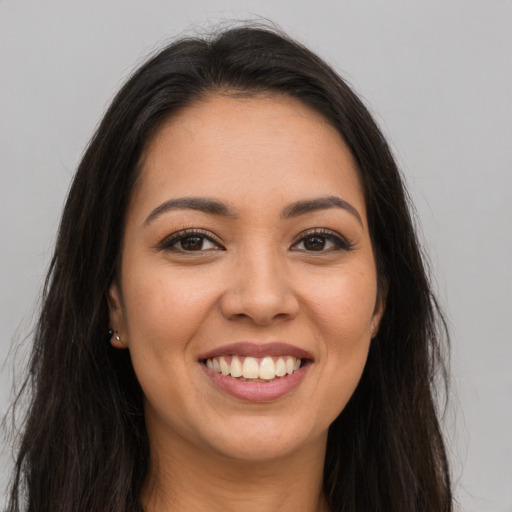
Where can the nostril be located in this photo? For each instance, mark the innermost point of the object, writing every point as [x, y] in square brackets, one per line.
[260, 308]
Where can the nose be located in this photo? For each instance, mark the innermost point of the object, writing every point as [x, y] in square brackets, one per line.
[258, 290]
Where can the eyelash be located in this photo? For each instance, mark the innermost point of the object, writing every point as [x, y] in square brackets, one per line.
[168, 243]
[339, 242]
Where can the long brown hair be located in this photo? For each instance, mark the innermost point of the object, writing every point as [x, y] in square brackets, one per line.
[84, 446]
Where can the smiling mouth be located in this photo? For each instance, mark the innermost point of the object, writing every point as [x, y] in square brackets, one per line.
[254, 369]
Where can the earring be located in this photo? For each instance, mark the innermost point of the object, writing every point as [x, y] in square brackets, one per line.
[116, 341]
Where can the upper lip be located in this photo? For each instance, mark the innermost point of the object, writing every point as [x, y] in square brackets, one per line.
[251, 349]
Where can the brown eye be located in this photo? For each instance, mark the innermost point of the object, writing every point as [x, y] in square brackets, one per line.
[192, 243]
[322, 242]
[314, 243]
[189, 241]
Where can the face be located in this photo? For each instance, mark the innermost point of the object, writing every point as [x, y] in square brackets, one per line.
[247, 294]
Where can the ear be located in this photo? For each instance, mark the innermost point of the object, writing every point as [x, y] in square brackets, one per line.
[116, 316]
[380, 306]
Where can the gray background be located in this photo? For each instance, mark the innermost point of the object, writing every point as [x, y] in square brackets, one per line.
[437, 75]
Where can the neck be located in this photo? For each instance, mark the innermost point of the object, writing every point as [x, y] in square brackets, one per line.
[182, 479]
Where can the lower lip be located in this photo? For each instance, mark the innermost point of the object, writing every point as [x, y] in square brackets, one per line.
[257, 391]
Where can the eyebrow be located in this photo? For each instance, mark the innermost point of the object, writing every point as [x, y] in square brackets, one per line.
[202, 204]
[215, 207]
[320, 203]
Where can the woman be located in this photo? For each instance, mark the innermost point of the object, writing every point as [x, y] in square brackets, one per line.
[237, 315]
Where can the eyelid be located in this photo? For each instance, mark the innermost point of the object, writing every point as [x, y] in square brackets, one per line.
[338, 239]
[170, 240]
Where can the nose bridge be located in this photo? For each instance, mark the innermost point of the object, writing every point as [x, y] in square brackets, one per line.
[259, 287]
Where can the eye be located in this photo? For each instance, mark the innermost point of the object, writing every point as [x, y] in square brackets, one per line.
[321, 241]
[189, 241]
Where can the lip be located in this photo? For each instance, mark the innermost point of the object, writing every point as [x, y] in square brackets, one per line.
[257, 391]
[251, 349]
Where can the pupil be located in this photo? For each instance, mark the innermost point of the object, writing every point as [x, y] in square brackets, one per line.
[314, 243]
[192, 243]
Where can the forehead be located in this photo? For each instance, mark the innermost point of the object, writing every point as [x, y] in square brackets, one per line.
[258, 147]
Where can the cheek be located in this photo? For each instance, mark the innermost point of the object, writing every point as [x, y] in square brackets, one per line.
[344, 305]
[164, 312]
[166, 305]
[343, 310]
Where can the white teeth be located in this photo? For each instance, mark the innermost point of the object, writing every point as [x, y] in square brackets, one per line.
[266, 368]
[250, 368]
[236, 367]
[224, 367]
[280, 367]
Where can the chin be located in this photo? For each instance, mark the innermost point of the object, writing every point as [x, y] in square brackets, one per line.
[262, 439]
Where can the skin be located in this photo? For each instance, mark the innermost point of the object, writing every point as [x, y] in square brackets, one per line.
[259, 281]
